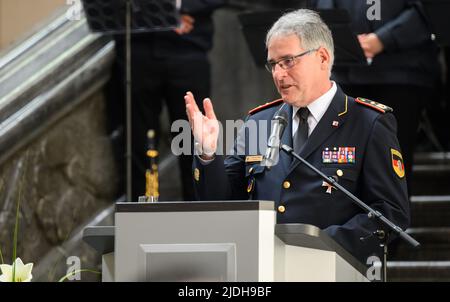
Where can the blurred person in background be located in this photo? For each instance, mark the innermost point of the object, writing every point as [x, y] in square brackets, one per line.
[164, 66]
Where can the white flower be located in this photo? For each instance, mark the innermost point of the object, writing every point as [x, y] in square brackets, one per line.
[22, 274]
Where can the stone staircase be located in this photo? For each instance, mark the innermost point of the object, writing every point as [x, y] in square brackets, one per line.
[430, 224]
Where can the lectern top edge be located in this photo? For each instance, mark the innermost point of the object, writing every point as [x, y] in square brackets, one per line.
[195, 206]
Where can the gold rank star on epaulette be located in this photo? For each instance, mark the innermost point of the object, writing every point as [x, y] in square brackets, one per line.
[266, 105]
[374, 105]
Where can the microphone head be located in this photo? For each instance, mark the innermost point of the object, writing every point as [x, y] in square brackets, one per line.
[282, 117]
[279, 123]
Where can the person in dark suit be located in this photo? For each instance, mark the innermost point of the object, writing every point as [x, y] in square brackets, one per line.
[404, 71]
[352, 140]
[161, 67]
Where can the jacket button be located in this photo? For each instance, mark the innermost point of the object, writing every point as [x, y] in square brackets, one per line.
[286, 184]
[281, 209]
[339, 173]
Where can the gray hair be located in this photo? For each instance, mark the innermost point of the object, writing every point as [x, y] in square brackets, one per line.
[309, 28]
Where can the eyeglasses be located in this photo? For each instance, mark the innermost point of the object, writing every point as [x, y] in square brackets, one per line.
[287, 63]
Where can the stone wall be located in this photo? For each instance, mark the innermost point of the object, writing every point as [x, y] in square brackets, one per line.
[61, 180]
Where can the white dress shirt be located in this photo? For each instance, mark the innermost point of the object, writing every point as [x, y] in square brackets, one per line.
[316, 110]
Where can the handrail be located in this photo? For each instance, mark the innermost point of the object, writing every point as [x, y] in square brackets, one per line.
[46, 76]
[30, 42]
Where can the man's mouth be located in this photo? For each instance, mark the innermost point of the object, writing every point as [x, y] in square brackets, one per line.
[285, 87]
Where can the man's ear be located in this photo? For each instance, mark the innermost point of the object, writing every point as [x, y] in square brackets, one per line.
[325, 58]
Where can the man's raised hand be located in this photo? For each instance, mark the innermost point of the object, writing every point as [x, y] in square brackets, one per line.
[205, 127]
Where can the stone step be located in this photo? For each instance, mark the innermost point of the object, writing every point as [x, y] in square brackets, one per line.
[430, 211]
[431, 179]
[418, 271]
[435, 246]
[432, 158]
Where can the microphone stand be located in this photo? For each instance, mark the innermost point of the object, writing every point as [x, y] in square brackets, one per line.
[371, 213]
[128, 155]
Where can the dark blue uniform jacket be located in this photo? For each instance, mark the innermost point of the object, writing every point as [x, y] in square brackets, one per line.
[371, 177]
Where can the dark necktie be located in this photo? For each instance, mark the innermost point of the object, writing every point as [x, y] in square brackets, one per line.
[301, 136]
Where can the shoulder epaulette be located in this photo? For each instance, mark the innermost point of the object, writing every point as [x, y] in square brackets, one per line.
[374, 105]
[266, 105]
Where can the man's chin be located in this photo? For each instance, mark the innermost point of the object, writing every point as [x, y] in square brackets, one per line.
[287, 99]
[293, 100]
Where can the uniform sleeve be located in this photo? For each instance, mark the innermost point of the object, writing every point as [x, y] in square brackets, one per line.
[410, 29]
[382, 188]
[210, 179]
[224, 177]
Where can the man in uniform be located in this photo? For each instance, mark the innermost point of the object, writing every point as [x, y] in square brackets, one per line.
[323, 124]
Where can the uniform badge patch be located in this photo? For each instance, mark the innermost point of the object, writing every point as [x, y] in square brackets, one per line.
[253, 158]
[341, 155]
[397, 163]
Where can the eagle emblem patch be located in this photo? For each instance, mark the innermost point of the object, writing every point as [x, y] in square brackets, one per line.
[397, 163]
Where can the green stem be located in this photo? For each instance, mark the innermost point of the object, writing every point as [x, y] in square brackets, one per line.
[16, 227]
[78, 271]
[16, 231]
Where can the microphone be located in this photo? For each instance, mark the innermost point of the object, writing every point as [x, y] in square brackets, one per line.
[279, 123]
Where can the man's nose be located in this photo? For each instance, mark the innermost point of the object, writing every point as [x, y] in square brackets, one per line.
[278, 72]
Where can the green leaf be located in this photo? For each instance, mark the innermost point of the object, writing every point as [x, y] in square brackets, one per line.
[78, 271]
